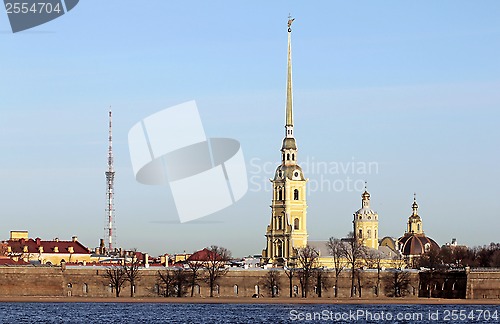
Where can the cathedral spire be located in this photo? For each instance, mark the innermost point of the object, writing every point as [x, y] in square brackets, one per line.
[365, 198]
[289, 96]
[414, 206]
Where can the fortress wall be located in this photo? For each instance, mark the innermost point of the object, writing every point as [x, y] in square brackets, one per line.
[89, 281]
[483, 284]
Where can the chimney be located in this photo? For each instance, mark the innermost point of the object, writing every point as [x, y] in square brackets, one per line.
[56, 239]
[37, 241]
[74, 239]
[146, 260]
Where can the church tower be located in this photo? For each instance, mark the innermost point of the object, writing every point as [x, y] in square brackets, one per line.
[287, 230]
[366, 223]
[414, 221]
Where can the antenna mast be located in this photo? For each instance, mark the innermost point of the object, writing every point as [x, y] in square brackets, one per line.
[110, 184]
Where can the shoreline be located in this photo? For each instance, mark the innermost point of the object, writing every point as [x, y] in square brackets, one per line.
[249, 300]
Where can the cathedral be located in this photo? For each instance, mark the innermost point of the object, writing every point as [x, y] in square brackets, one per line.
[287, 230]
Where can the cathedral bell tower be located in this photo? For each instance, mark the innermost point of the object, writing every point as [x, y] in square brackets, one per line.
[287, 230]
[414, 225]
[366, 223]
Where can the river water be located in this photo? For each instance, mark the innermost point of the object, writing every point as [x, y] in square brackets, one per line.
[244, 313]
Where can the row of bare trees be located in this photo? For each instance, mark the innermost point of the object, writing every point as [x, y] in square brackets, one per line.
[461, 256]
[346, 254]
[352, 253]
[176, 281]
[117, 275]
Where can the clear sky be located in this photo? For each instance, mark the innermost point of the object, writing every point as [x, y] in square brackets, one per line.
[409, 90]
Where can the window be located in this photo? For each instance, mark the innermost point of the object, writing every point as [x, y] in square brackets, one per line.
[418, 227]
[280, 222]
[296, 289]
[217, 289]
[280, 249]
[360, 233]
[296, 194]
[293, 156]
[296, 223]
[369, 233]
[280, 194]
[85, 288]
[235, 288]
[288, 156]
[257, 290]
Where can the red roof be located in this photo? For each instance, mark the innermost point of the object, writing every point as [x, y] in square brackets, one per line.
[17, 246]
[204, 255]
[9, 261]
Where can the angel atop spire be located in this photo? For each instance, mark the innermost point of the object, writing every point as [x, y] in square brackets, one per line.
[290, 21]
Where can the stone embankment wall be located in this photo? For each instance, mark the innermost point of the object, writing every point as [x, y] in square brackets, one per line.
[89, 281]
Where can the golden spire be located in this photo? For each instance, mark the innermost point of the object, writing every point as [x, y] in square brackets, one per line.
[289, 98]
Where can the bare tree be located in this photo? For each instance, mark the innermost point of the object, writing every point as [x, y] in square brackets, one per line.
[215, 265]
[307, 259]
[180, 282]
[336, 249]
[322, 281]
[398, 282]
[290, 273]
[116, 278]
[132, 273]
[353, 251]
[272, 282]
[373, 259]
[166, 280]
[195, 267]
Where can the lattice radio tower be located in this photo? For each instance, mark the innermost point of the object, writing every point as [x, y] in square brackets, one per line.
[110, 185]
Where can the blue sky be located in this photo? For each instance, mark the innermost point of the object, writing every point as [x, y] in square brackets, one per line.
[410, 86]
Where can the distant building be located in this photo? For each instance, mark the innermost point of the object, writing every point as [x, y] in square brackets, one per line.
[21, 247]
[414, 242]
